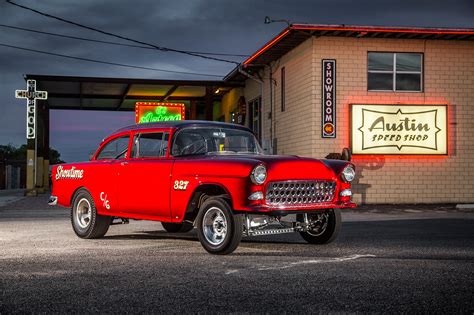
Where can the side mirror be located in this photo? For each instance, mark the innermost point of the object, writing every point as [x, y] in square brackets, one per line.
[91, 155]
[346, 154]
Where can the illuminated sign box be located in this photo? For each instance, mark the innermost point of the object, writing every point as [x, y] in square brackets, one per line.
[399, 129]
[146, 112]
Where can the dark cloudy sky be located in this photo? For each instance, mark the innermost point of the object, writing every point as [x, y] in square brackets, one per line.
[226, 26]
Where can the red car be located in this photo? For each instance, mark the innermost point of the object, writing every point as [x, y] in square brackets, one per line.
[209, 175]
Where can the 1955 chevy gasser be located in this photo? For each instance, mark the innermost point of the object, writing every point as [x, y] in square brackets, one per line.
[208, 175]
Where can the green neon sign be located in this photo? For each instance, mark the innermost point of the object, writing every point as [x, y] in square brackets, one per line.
[161, 113]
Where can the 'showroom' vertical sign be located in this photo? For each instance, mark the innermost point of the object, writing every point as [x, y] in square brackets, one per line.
[328, 113]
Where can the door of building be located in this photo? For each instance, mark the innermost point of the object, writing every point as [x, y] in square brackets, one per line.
[255, 117]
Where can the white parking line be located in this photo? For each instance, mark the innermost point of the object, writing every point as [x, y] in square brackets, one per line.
[304, 262]
[317, 261]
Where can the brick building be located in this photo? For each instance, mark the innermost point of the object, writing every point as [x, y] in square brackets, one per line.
[420, 146]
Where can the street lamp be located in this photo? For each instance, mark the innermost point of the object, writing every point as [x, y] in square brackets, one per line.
[268, 21]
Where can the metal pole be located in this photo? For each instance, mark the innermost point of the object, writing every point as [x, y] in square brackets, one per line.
[36, 149]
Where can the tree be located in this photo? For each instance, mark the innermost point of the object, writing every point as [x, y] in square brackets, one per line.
[10, 152]
[54, 157]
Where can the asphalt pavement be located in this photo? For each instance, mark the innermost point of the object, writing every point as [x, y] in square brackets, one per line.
[407, 260]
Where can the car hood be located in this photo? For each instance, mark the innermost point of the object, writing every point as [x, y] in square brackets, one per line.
[285, 167]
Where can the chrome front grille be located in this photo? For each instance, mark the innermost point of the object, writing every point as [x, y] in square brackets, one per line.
[299, 192]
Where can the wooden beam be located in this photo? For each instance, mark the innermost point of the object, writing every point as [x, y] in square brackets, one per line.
[52, 78]
[96, 108]
[129, 97]
[463, 37]
[124, 96]
[168, 94]
[80, 95]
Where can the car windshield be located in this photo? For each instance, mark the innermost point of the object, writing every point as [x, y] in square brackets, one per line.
[211, 140]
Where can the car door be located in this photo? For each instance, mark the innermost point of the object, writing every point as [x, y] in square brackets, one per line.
[103, 181]
[144, 179]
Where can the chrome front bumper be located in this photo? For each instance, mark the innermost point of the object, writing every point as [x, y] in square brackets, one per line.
[53, 200]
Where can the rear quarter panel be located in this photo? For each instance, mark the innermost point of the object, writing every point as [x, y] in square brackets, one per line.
[97, 177]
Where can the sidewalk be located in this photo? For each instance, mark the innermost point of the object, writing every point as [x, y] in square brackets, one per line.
[40, 202]
[11, 195]
[414, 208]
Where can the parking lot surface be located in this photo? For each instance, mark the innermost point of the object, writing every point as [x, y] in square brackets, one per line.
[400, 261]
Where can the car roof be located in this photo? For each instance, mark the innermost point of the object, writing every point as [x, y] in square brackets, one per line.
[179, 124]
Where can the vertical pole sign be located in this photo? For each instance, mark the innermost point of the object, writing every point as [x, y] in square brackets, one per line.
[31, 96]
[328, 113]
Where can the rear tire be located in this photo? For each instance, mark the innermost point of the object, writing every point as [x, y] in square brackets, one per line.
[219, 230]
[330, 231]
[85, 220]
[177, 227]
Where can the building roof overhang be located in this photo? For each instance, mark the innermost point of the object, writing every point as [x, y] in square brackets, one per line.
[121, 94]
[295, 34]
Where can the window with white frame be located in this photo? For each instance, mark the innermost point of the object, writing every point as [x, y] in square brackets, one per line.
[395, 72]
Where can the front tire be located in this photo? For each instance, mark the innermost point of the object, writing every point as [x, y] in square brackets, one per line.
[326, 229]
[85, 220]
[219, 230]
[177, 227]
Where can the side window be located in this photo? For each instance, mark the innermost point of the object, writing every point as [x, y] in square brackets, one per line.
[150, 145]
[115, 149]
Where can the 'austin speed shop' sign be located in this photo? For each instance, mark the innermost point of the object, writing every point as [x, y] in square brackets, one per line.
[328, 113]
[399, 129]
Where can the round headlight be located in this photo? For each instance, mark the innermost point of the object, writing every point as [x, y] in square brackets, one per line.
[348, 173]
[259, 174]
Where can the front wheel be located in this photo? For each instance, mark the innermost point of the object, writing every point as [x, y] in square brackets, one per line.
[324, 227]
[219, 230]
[86, 222]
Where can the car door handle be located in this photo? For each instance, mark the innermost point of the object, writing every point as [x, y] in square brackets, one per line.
[123, 163]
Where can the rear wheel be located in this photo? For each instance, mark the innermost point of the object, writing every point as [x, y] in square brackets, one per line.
[177, 227]
[85, 220]
[219, 230]
[324, 227]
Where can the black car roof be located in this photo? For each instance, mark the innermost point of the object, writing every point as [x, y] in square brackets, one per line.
[179, 124]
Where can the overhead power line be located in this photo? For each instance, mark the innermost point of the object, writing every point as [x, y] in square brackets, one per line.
[111, 43]
[108, 62]
[185, 52]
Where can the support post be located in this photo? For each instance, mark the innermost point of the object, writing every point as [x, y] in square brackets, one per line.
[40, 109]
[46, 148]
[34, 170]
[192, 115]
[30, 168]
[209, 106]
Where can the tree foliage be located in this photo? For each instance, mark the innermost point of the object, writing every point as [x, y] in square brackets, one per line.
[10, 152]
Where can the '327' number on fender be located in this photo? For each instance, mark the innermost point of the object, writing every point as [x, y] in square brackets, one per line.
[180, 184]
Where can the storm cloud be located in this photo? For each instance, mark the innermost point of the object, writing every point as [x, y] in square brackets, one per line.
[198, 25]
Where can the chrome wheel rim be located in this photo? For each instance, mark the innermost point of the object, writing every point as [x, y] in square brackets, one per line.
[83, 213]
[214, 226]
[320, 225]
